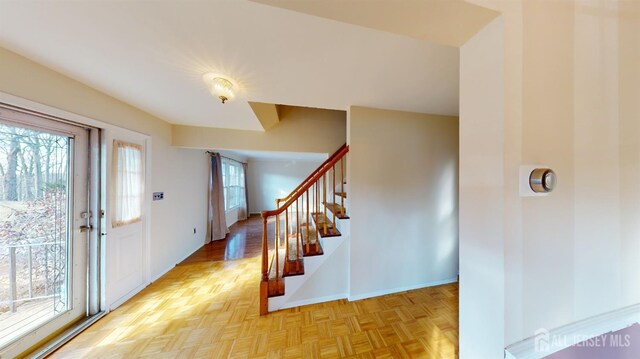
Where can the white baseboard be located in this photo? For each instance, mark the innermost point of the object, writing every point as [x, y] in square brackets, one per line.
[546, 342]
[328, 298]
[166, 270]
[127, 296]
[137, 290]
[401, 289]
[163, 272]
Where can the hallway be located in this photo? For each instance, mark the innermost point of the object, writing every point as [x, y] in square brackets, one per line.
[244, 240]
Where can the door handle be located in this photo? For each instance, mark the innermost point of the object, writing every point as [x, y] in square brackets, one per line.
[86, 228]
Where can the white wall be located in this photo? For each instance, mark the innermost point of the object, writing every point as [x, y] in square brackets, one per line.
[482, 208]
[271, 179]
[403, 200]
[580, 249]
[571, 101]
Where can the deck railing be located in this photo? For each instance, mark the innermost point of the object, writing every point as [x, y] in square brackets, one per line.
[47, 251]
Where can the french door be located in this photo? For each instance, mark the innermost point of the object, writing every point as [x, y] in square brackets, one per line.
[46, 232]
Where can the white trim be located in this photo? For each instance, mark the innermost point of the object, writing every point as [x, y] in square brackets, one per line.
[154, 279]
[162, 273]
[53, 111]
[66, 336]
[576, 332]
[401, 289]
[127, 296]
[78, 185]
[81, 120]
[146, 141]
[147, 206]
[300, 303]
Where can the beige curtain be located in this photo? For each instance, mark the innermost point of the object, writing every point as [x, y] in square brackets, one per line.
[243, 210]
[216, 222]
[128, 178]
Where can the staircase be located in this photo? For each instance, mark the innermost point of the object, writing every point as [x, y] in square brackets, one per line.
[307, 227]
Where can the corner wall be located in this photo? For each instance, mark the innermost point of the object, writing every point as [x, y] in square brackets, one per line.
[403, 200]
[482, 208]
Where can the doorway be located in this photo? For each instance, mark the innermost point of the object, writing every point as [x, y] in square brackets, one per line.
[127, 250]
[47, 238]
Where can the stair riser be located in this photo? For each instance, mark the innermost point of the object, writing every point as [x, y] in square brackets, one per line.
[293, 297]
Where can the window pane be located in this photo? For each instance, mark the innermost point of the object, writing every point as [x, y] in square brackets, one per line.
[233, 182]
[34, 240]
[129, 176]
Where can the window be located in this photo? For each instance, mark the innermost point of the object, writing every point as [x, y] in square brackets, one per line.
[233, 181]
[129, 177]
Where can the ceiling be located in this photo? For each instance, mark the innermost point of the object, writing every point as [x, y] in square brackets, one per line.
[152, 55]
[447, 22]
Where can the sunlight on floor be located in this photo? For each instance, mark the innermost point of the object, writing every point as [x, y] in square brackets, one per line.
[210, 309]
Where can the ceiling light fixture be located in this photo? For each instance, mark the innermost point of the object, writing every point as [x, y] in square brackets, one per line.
[220, 87]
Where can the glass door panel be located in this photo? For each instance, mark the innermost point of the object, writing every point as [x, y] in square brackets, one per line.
[43, 191]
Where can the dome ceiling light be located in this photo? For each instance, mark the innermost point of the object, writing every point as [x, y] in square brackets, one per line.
[220, 87]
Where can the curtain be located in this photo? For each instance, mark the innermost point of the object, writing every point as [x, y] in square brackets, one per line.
[216, 221]
[243, 210]
[128, 179]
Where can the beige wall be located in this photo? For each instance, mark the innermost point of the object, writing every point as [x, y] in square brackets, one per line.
[572, 94]
[482, 206]
[272, 179]
[402, 199]
[300, 130]
[180, 173]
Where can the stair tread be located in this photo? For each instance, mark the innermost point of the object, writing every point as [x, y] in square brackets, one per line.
[337, 209]
[331, 230]
[341, 194]
[282, 254]
[319, 219]
[276, 283]
[292, 268]
[275, 287]
[315, 249]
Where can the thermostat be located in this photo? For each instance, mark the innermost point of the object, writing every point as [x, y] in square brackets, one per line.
[542, 180]
[536, 180]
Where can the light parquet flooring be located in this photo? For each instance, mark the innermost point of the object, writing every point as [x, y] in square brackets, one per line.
[210, 310]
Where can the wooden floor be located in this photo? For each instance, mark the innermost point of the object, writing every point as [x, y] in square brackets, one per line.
[243, 241]
[28, 316]
[210, 310]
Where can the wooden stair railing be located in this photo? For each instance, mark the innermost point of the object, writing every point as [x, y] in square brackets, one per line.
[301, 238]
[284, 199]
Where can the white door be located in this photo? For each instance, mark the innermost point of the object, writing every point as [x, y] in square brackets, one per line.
[43, 247]
[127, 261]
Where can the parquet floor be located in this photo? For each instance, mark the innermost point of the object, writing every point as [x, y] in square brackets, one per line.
[210, 310]
[244, 240]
